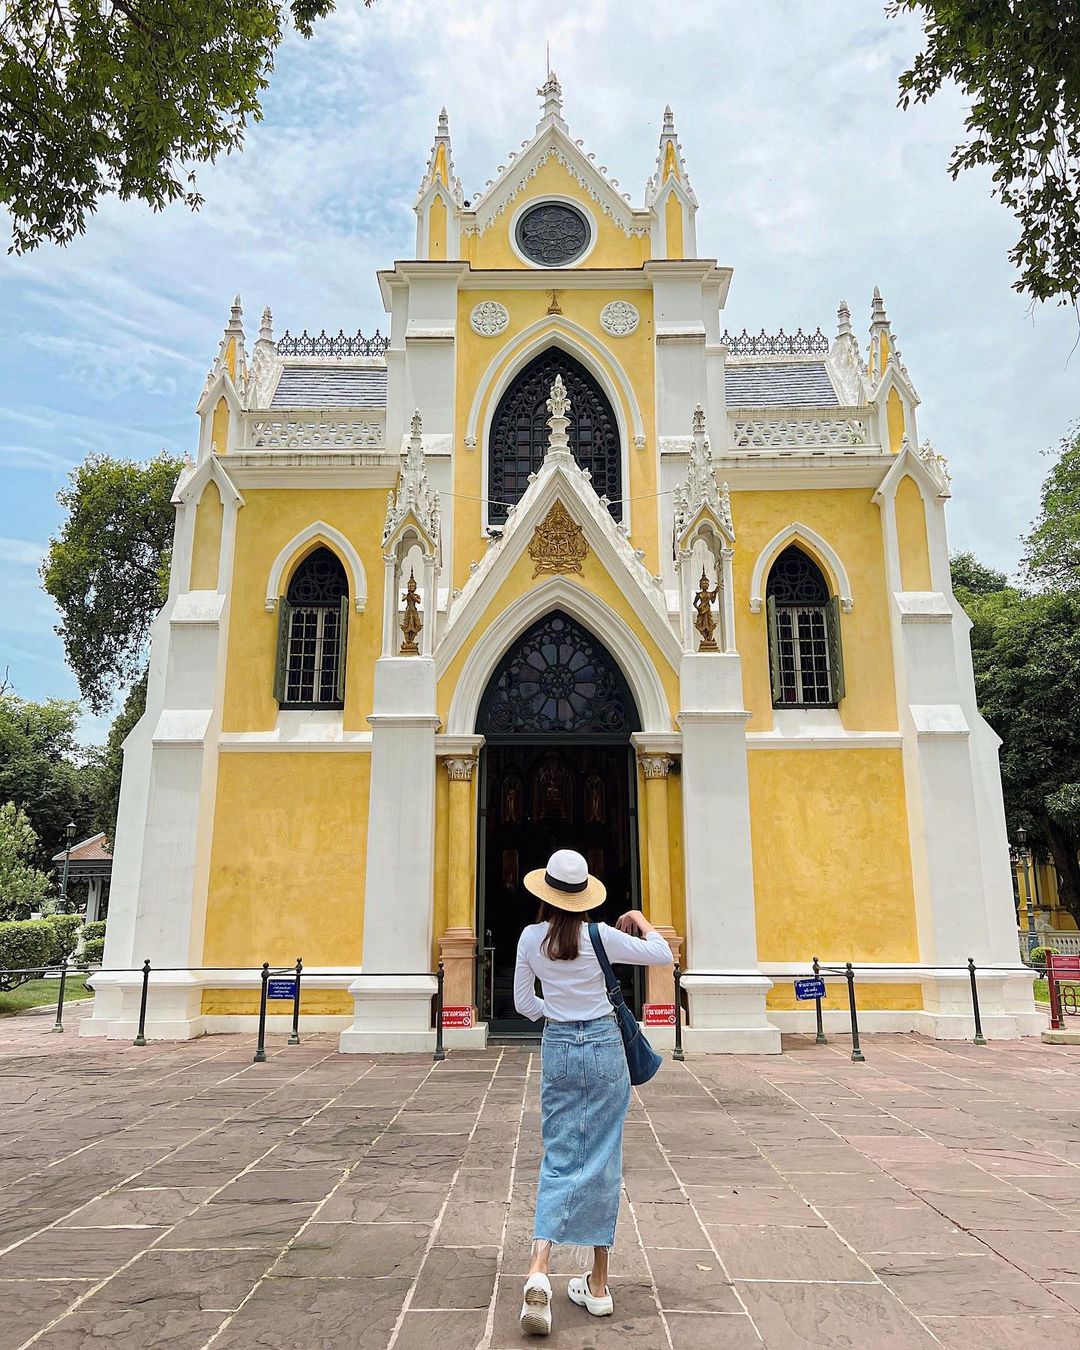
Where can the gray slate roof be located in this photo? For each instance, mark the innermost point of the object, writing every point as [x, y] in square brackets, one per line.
[331, 387]
[779, 384]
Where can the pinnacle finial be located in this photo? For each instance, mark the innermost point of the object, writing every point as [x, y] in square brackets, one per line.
[266, 327]
[878, 305]
[843, 316]
[558, 403]
[236, 314]
[551, 92]
[444, 122]
[416, 424]
[699, 420]
[669, 121]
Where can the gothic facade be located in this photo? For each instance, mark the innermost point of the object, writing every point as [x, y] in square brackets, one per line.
[559, 562]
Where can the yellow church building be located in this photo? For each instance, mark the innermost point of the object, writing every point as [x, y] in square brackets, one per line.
[559, 563]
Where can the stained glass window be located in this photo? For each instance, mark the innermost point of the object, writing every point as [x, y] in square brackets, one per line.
[557, 679]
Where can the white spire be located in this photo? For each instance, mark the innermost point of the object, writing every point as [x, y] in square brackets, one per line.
[699, 488]
[558, 405]
[414, 492]
[266, 327]
[551, 92]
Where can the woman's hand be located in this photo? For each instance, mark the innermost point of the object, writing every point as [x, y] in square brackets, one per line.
[633, 922]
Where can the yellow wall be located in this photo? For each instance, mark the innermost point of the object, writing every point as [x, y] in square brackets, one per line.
[832, 873]
[287, 861]
[894, 412]
[219, 429]
[613, 247]
[594, 578]
[634, 355]
[437, 228]
[911, 537]
[265, 525]
[673, 227]
[206, 545]
[849, 521]
[868, 996]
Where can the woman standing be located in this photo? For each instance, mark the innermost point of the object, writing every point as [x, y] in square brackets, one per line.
[585, 1085]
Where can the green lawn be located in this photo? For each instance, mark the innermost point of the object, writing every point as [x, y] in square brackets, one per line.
[36, 992]
[1042, 990]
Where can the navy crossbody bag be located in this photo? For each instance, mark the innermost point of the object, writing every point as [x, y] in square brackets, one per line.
[641, 1059]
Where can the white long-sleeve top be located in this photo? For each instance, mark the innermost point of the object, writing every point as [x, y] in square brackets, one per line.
[574, 990]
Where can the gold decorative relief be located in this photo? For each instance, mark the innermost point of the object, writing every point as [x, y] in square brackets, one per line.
[558, 545]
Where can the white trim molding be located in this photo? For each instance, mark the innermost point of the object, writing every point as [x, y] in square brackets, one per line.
[318, 529]
[799, 531]
[590, 610]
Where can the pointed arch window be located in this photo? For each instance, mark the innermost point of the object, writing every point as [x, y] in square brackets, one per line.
[519, 433]
[313, 619]
[805, 656]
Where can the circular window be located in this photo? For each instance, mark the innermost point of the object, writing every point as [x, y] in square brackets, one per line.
[553, 233]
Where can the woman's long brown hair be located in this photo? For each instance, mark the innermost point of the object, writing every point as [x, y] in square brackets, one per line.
[563, 941]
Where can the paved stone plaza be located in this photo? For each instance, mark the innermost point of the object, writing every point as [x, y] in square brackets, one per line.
[181, 1196]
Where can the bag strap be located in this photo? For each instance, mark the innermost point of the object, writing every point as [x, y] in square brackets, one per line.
[614, 989]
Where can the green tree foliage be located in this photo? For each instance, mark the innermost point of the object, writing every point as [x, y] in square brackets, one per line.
[972, 578]
[43, 771]
[1052, 549]
[23, 887]
[1018, 63]
[1026, 651]
[108, 569]
[111, 760]
[124, 96]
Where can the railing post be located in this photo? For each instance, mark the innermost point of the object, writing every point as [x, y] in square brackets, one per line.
[140, 1037]
[856, 1053]
[980, 1039]
[819, 1039]
[260, 1049]
[294, 1035]
[59, 1024]
[678, 1051]
[440, 976]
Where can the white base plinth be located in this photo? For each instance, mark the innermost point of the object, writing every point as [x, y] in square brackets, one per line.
[727, 1015]
[1061, 1037]
[392, 1014]
[466, 1038]
[173, 1007]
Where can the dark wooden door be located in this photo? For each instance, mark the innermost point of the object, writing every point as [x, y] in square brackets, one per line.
[538, 797]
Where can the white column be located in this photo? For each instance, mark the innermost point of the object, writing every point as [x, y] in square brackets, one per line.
[393, 996]
[727, 1010]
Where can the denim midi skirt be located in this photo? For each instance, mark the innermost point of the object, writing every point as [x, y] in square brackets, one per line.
[584, 1097]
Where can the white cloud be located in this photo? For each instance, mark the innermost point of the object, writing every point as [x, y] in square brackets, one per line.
[812, 184]
[21, 552]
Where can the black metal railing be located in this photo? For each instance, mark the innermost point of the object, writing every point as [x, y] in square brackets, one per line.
[847, 972]
[329, 344]
[266, 973]
[777, 344]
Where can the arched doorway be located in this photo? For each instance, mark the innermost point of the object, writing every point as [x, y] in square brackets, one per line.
[556, 771]
[519, 435]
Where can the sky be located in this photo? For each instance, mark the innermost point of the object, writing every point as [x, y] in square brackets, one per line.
[812, 184]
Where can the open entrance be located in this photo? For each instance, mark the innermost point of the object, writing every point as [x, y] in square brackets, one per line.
[557, 771]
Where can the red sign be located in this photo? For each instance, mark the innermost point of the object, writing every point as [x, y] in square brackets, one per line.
[659, 1014]
[1060, 967]
[457, 1016]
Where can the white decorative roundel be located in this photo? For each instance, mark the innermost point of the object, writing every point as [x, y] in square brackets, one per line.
[619, 318]
[489, 318]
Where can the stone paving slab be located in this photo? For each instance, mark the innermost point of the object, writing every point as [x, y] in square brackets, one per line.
[180, 1196]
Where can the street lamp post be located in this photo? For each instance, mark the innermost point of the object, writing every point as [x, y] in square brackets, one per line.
[70, 833]
[1025, 857]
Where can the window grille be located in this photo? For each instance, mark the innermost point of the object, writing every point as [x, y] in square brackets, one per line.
[519, 434]
[313, 621]
[805, 657]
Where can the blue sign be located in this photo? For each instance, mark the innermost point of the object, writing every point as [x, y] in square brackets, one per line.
[281, 988]
[810, 988]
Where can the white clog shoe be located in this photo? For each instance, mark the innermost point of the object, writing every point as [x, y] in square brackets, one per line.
[582, 1295]
[536, 1306]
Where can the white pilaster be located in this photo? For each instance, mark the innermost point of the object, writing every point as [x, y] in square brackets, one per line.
[393, 997]
[727, 1010]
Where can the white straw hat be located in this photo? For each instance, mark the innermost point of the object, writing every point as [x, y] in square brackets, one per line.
[566, 883]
